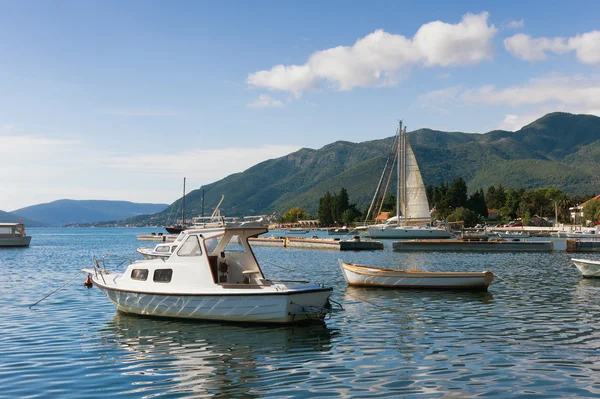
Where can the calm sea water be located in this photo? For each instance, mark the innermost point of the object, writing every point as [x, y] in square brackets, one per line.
[536, 333]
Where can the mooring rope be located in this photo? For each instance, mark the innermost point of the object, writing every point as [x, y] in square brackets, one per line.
[77, 275]
[276, 265]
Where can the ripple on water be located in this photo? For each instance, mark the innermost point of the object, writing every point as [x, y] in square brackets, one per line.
[534, 334]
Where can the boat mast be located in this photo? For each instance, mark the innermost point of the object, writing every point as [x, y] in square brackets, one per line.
[183, 206]
[400, 148]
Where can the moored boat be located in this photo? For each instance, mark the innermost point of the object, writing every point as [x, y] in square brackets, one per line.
[338, 231]
[588, 268]
[161, 251]
[358, 275]
[13, 235]
[513, 234]
[585, 233]
[213, 275]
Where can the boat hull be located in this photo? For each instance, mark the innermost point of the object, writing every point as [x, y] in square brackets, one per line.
[588, 268]
[284, 307]
[365, 276]
[15, 241]
[408, 233]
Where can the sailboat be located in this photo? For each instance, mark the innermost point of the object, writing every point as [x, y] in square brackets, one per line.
[414, 218]
[176, 229]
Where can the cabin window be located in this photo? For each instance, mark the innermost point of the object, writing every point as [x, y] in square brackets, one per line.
[173, 248]
[162, 248]
[139, 274]
[211, 243]
[163, 275]
[235, 245]
[191, 247]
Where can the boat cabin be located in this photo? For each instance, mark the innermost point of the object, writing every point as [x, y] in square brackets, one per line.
[204, 258]
[12, 230]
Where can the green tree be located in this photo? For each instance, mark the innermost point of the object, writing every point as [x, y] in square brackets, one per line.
[477, 204]
[463, 215]
[324, 213]
[591, 211]
[293, 215]
[457, 194]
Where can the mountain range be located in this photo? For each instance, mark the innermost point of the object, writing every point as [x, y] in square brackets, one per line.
[559, 150]
[67, 211]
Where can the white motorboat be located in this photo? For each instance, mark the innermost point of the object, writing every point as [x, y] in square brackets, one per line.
[513, 234]
[298, 230]
[338, 231]
[368, 276]
[585, 233]
[213, 275]
[13, 235]
[588, 268]
[161, 251]
[411, 200]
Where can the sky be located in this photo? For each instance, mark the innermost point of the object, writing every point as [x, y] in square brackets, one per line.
[120, 100]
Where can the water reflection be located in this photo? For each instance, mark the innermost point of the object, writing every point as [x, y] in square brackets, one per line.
[210, 358]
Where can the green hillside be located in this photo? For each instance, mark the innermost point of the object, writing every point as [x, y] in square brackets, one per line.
[558, 150]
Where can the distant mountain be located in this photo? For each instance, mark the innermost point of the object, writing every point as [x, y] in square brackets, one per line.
[7, 217]
[66, 211]
[558, 150]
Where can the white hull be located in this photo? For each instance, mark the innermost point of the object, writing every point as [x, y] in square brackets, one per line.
[588, 268]
[513, 235]
[583, 235]
[374, 277]
[408, 232]
[15, 241]
[250, 307]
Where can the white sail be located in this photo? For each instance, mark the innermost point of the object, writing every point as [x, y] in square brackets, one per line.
[417, 206]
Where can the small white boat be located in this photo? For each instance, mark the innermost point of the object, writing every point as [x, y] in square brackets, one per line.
[298, 231]
[513, 234]
[358, 275]
[213, 275]
[13, 235]
[339, 231]
[585, 233]
[161, 251]
[588, 268]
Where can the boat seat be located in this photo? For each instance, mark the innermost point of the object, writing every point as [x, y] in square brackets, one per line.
[248, 274]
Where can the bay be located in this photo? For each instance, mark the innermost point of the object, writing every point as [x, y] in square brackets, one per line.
[534, 334]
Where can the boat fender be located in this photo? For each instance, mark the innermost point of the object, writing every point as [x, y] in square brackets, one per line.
[88, 281]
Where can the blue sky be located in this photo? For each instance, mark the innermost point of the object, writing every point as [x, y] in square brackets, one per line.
[121, 100]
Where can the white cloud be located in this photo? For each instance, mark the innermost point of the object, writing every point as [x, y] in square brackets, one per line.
[45, 169]
[585, 46]
[516, 24]
[265, 101]
[376, 59]
[533, 99]
[579, 91]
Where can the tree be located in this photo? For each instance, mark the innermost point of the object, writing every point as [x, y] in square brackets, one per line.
[463, 215]
[477, 204]
[324, 212]
[293, 215]
[591, 211]
[457, 194]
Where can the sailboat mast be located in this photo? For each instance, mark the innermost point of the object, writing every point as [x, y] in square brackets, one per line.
[404, 182]
[400, 160]
[183, 205]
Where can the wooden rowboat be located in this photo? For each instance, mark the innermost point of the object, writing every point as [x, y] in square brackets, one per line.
[357, 275]
[588, 268]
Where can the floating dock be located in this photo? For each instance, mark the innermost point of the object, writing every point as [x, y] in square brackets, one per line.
[583, 246]
[354, 244]
[459, 245]
[157, 237]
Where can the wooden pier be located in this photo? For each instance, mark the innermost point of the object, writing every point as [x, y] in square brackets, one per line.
[354, 244]
[583, 246]
[460, 245]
